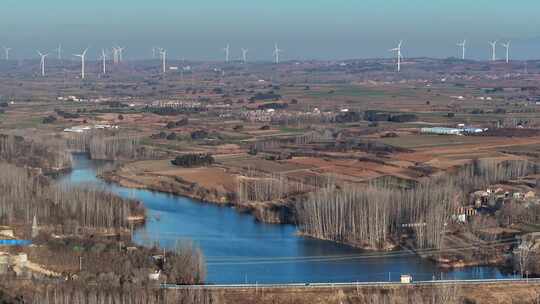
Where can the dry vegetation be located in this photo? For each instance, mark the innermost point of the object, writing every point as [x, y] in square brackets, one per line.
[25, 195]
[330, 158]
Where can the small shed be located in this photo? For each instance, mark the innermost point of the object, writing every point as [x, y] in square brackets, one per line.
[406, 279]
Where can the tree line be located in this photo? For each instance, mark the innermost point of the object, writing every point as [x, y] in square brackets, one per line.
[25, 195]
[193, 160]
[113, 145]
[372, 216]
[49, 154]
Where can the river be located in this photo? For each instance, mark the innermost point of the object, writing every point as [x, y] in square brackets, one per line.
[239, 249]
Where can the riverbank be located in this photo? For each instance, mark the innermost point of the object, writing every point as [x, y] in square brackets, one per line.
[214, 185]
[215, 192]
[263, 253]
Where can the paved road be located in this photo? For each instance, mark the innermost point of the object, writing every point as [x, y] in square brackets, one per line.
[352, 284]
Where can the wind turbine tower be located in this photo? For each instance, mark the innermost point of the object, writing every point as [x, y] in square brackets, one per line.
[82, 56]
[103, 61]
[493, 50]
[277, 51]
[463, 48]
[227, 50]
[398, 54]
[244, 55]
[59, 52]
[163, 54]
[115, 55]
[42, 62]
[6, 52]
[507, 47]
[121, 53]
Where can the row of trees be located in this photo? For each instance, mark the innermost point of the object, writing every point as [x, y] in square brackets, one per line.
[304, 139]
[68, 293]
[435, 294]
[25, 196]
[48, 154]
[258, 187]
[193, 160]
[482, 173]
[110, 145]
[371, 216]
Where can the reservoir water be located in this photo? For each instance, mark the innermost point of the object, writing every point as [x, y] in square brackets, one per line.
[239, 249]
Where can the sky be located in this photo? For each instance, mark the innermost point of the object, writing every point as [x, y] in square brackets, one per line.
[304, 29]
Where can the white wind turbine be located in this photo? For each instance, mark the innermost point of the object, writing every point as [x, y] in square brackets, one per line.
[6, 52]
[42, 62]
[120, 53]
[58, 51]
[276, 53]
[115, 55]
[103, 61]
[82, 56]
[398, 54]
[507, 47]
[227, 51]
[463, 48]
[244, 55]
[163, 54]
[493, 50]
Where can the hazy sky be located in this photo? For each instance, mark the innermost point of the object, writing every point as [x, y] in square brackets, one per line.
[322, 29]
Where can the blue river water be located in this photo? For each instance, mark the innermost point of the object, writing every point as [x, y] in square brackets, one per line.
[239, 249]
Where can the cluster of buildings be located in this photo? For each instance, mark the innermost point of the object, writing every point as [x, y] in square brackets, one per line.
[83, 129]
[258, 115]
[73, 98]
[460, 130]
[495, 197]
[177, 104]
[271, 115]
[15, 262]
[70, 98]
[491, 199]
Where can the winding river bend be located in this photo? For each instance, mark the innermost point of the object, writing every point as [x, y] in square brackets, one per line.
[240, 250]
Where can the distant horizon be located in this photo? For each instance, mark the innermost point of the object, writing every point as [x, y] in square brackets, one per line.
[93, 56]
[315, 29]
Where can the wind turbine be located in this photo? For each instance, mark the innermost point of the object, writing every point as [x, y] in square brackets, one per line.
[42, 62]
[277, 51]
[153, 52]
[398, 54]
[227, 50]
[115, 55]
[244, 55]
[120, 53]
[462, 45]
[6, 51]
[103, 61]
[493, 50]
[82, 56]
[163, 54]
[59, 52]
[507, 47]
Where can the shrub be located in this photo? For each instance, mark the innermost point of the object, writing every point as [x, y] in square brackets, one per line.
[199, 134]
[49, 119]
[171, 136]
[193, 160]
